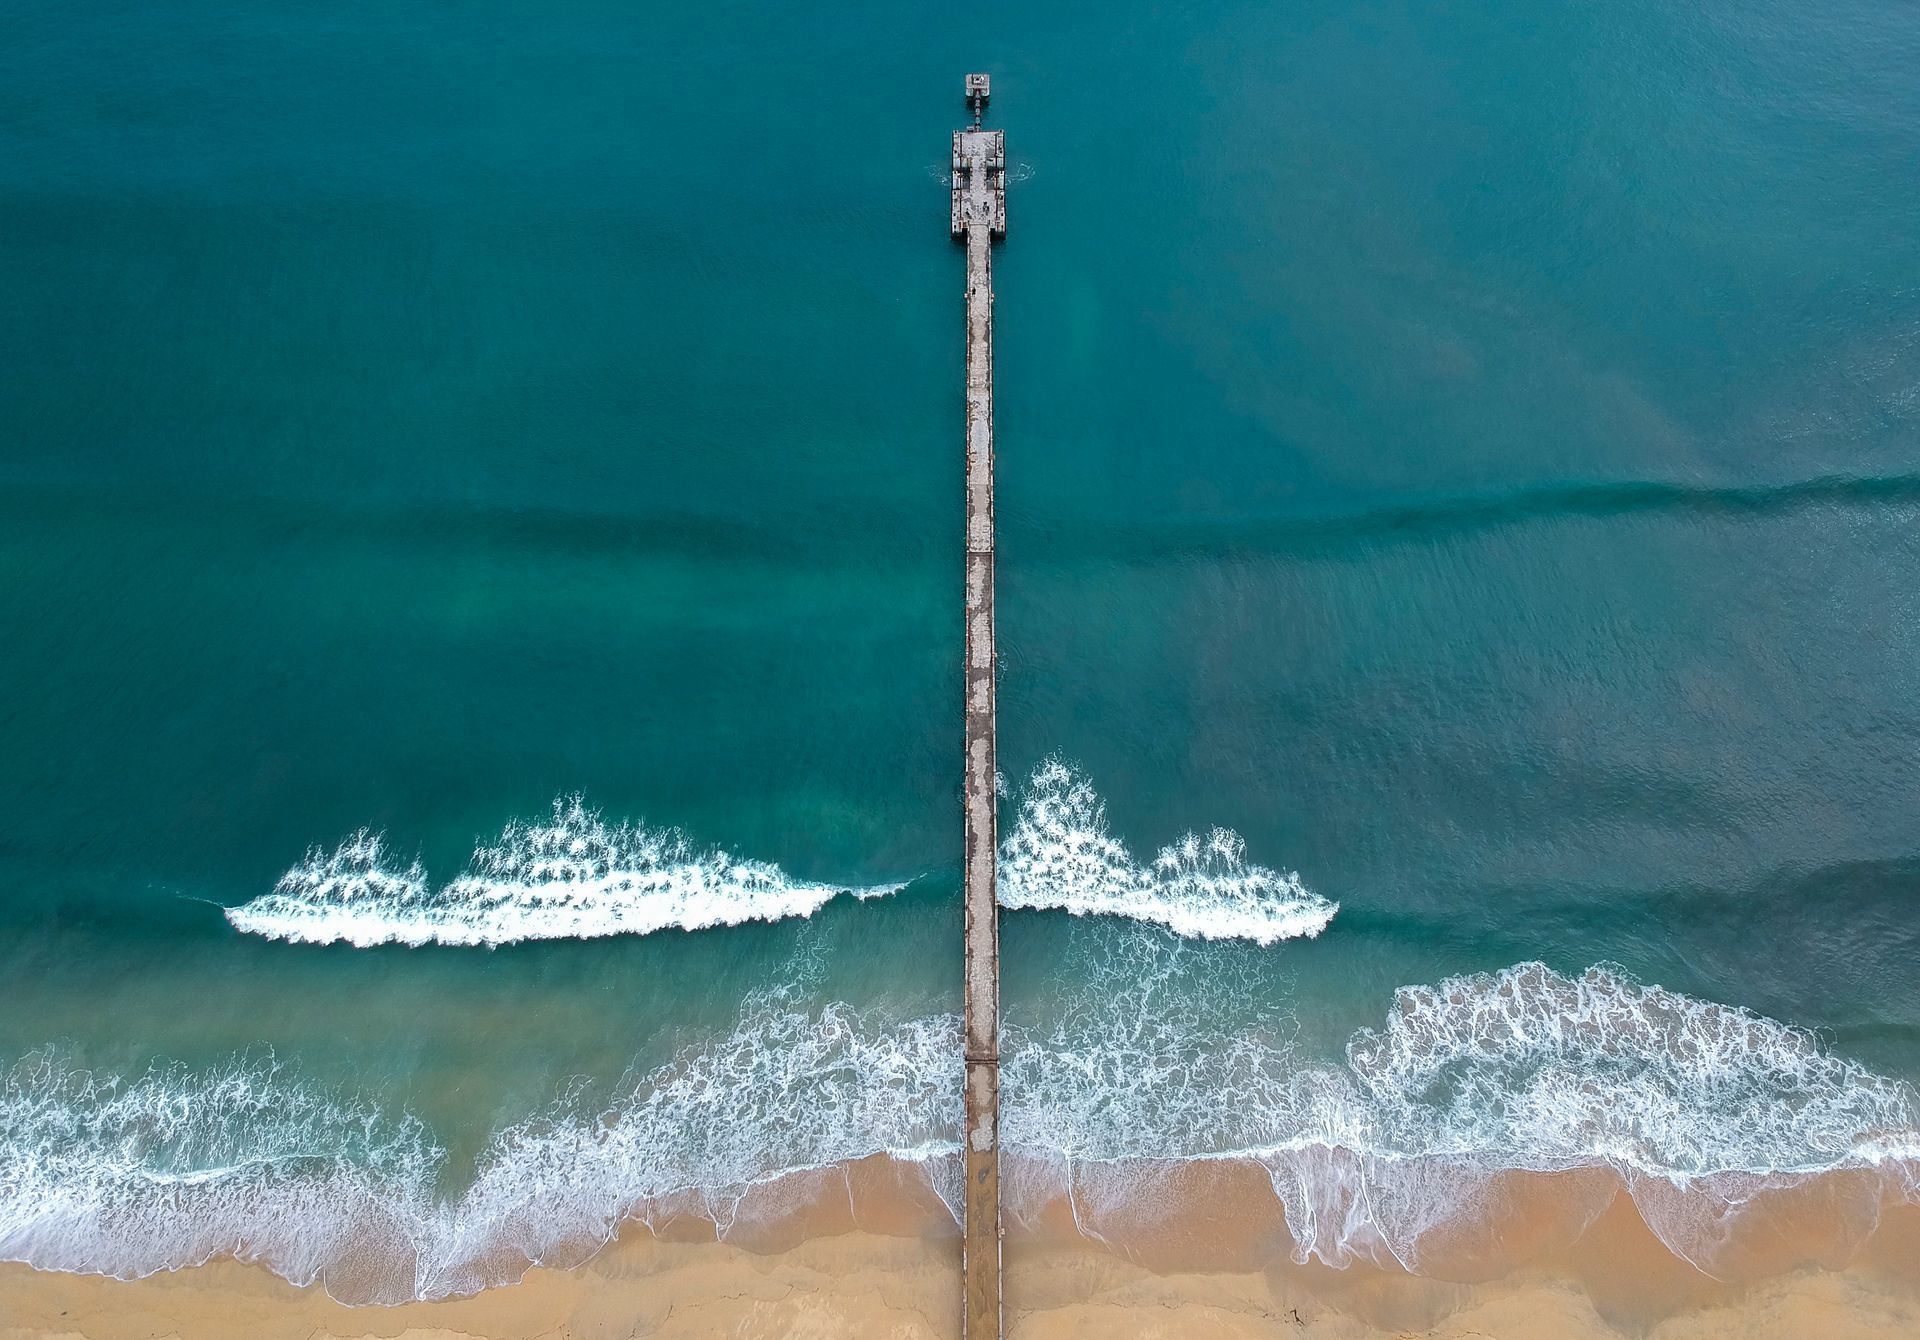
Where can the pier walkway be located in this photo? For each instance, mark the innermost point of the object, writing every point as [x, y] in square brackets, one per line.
[979, 218]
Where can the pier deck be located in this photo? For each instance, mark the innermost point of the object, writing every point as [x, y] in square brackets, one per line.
[980, 216]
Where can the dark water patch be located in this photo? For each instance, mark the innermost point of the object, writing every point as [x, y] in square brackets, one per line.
[1424, 520]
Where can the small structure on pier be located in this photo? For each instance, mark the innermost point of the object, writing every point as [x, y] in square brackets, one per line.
[979, 89]
[979, 171]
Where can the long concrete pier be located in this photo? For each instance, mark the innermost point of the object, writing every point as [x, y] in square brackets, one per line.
[979, 218]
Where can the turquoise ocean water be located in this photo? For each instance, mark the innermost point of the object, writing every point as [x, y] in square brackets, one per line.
[1468, 455]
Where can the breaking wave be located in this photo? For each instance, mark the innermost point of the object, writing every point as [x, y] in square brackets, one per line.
[1706, 1115]
[573, 877]
[1711, 1118]
[179, 1166]
[1059, 854]
[578, 877]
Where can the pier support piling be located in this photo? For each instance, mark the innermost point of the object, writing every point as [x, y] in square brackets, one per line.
[979, 218]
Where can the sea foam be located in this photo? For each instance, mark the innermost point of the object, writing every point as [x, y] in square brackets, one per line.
[1543, 1071]
[178, 1166]
[1700, 1112]
[1059, 854]
[175, 1167]
[575, 876]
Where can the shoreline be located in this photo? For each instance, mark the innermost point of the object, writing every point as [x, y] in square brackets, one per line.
[881, 1264]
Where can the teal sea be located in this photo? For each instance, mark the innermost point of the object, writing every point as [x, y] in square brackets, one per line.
[480, 562]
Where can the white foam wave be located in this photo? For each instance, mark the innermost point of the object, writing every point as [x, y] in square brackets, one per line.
[1059, 854]
[180, 1166]
[577, 876]
[1521, 1069]
[359, 892]
[573, 877]
[1543, 1071]
[1699, 1111]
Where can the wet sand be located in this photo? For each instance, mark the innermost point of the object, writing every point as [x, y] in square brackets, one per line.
[1616, 1280]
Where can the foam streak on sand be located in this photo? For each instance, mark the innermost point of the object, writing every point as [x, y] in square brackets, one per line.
[1704, 1114]
[574, 877]
[1060, 855]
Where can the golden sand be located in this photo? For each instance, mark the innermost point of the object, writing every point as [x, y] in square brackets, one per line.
[1617, 1281]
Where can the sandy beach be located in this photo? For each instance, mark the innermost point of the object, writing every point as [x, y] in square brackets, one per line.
[1616, 1281]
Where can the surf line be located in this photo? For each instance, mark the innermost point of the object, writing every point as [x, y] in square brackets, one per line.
[979, 220]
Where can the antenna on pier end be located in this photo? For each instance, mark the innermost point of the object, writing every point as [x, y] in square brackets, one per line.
[979, 89]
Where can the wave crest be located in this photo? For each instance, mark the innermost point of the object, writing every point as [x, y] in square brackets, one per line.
[577, 876]
[573, 877]
[1059, 854]
[351, 893]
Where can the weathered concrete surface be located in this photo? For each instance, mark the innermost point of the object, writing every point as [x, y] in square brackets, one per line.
[979, 214]
[979, 182]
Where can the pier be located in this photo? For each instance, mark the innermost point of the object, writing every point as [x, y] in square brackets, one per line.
[979, 219]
